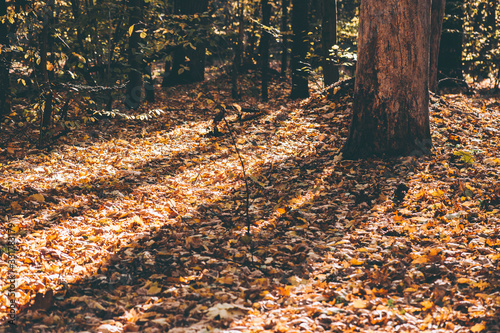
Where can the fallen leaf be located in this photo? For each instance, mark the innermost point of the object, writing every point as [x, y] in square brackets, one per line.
[359, 304]
[478, 328]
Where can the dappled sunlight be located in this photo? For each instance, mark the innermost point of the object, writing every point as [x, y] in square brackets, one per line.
[149, 229]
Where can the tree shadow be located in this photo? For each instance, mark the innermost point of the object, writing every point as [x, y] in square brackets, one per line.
[307, 209]
[206, 248]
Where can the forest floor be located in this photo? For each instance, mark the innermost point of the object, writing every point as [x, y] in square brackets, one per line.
[140, 226]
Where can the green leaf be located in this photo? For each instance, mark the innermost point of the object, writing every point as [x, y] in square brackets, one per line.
[465, 156]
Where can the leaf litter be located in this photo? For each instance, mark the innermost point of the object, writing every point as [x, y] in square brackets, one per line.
[141, 226]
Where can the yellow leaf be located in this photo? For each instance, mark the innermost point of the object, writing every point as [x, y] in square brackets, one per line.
[436, 193]
[281, 211]
[49, 66]
[154, 289]
[426, 305]
[237, 107]
[464, 281]
[131, 30]
[477, 328]
[80, 58]
[481, 285]
[359, 304]
[143, 34]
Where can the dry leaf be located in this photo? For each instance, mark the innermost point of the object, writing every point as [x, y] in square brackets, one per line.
[359, 304]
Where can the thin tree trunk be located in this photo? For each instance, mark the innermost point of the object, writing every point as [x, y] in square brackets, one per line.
[266, 16]
[451, 45]
[491, 10]
[250, 50]
[300, 26]
[237, 53]
[284, 34]
[329, 38]
[491, 28]
[47, 91]
[437, 14]
[391, 95]
[196, 56]
[149, 87]
[241, 33]
[5, 62]
[134, 87]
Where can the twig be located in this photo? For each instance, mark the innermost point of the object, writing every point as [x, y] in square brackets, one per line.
[247, 202]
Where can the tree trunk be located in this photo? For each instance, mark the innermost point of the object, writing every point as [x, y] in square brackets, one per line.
[238, 46]
[193, 70]
[391, 96]
[5, 61]
[249, 60]
[490, 19]
[300, 26]
[265, 39]
[47, 91]
[284, 34]
[149, 87]
[329, 38]
[437, 14]
[451, 46]
[134, 87]
[491, 25]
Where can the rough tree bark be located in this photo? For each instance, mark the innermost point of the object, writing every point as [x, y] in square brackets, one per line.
[134, 87]
[328, 39]
[391, 95]
[300, 25]
[437, 14]
[265, 39]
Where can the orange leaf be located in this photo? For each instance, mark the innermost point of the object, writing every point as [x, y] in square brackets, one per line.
[477, 328]
[356, 262]
[426, 305]
[420, 260]
[464, 281]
